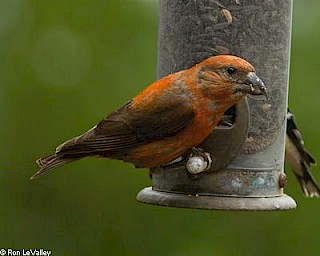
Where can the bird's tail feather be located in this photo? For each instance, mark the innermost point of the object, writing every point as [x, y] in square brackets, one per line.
[51, 162]
[45, 160]
[308, 183]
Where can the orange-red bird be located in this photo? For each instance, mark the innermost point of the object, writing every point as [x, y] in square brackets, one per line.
[167, 119]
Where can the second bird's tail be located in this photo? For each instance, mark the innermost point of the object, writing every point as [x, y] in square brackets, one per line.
[307, 182]
[299, 159]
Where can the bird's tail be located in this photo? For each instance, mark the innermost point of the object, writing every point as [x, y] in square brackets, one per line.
[51, 162]
[308, 183]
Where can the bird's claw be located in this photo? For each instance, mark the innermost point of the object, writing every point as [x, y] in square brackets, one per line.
[196, 162]
[199, 161]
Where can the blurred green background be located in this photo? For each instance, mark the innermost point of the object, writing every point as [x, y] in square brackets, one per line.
[64, 66]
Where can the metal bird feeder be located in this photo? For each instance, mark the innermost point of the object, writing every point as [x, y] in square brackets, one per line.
[247, 171]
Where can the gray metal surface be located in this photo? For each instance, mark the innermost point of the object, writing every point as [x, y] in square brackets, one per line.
[282, 202]
[229, 182]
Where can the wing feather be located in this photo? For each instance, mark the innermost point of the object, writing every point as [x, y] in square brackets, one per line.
[127, 128]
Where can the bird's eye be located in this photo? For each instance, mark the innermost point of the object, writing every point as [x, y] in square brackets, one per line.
[231, 70]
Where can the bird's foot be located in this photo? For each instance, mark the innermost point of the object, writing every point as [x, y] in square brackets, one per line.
[199, 161]
[196, 162]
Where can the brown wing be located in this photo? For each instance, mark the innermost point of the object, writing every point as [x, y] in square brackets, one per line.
[127, 128]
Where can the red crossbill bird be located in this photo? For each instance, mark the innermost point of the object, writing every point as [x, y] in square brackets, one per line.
[166, 119]
[299, 159]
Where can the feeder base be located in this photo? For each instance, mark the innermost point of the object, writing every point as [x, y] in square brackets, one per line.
[278, 203]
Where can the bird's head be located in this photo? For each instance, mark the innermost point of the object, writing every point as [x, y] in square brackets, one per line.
[231, 75]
